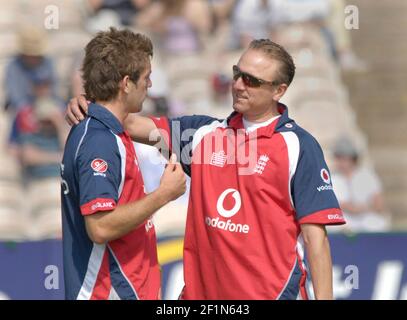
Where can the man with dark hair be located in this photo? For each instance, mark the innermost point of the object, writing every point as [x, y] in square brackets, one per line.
[109, 243]
[267, 196]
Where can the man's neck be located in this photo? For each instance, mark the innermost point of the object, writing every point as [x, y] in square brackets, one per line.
[116, 107]
[262, 117]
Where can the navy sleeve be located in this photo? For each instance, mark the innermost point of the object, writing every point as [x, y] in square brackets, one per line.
[311, 188]
[180, 133]
[99, 172]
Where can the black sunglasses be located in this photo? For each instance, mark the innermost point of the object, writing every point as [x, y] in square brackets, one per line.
[249, 80]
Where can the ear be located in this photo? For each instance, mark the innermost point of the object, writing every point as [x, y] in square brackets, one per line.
[281, 90]
[125, 84]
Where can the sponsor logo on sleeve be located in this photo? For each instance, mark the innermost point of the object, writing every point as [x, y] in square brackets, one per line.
[99, 167]
[148, 225]
[102, 205]
[325, 176]
[327, 179]
[335, 216]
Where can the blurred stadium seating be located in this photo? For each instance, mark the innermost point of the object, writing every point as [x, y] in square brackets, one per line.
[378, 96]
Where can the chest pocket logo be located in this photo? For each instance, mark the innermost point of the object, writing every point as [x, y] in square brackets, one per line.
[238, 203]
[261, 164]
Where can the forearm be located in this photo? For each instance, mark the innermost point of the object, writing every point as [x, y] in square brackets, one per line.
[321, 271]
[320, 263]
[108, 226]
[140, 129]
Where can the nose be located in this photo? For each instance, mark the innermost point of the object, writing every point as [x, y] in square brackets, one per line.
[238, 84]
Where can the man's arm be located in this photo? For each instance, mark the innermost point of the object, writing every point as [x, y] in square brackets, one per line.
[103, 227]
[319, 258]
[138, 127]
[76, 110]
[141, 129]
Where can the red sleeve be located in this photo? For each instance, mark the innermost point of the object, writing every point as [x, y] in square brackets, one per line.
[163, 125]
[97, 205]
[327, 216]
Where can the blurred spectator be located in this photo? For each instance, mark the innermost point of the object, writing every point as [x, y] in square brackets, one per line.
[182, 24]
[40, 152]
[40, 141]
[41, 149]
[307, 13]
[251, 19]
[158, 94]
[221, 85]
[26, 122]
[329, 17]
[105, 13]
[359, 191]
[343, 52]
[222, 8]
[75, 78]
[298, 11]
[256, 19]
[29, 64]
[221, 11]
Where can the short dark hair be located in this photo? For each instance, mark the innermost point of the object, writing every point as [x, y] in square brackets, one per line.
[110, 56]
[274, 51]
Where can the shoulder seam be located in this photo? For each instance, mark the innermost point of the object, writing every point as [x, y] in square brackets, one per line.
[82, 138]
[212, 126]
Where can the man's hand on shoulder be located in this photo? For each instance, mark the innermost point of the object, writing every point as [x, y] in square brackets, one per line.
[76, 110]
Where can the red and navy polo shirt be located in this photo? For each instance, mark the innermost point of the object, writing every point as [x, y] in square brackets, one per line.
[99, 172]
[250, 193]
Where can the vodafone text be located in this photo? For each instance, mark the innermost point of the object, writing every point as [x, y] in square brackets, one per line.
[227, 226]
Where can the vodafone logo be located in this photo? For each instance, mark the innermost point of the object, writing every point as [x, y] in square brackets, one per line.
[325, 176]
[238, 203]
[99, 165]
[228, 225]
[149, 224]
[327, 179]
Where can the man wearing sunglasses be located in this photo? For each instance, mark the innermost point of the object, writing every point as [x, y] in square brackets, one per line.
[250, 223]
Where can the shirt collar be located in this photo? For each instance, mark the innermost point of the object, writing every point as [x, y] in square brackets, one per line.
[102, 114]
[235, 121]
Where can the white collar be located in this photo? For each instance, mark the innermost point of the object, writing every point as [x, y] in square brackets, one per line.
[251, 126]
